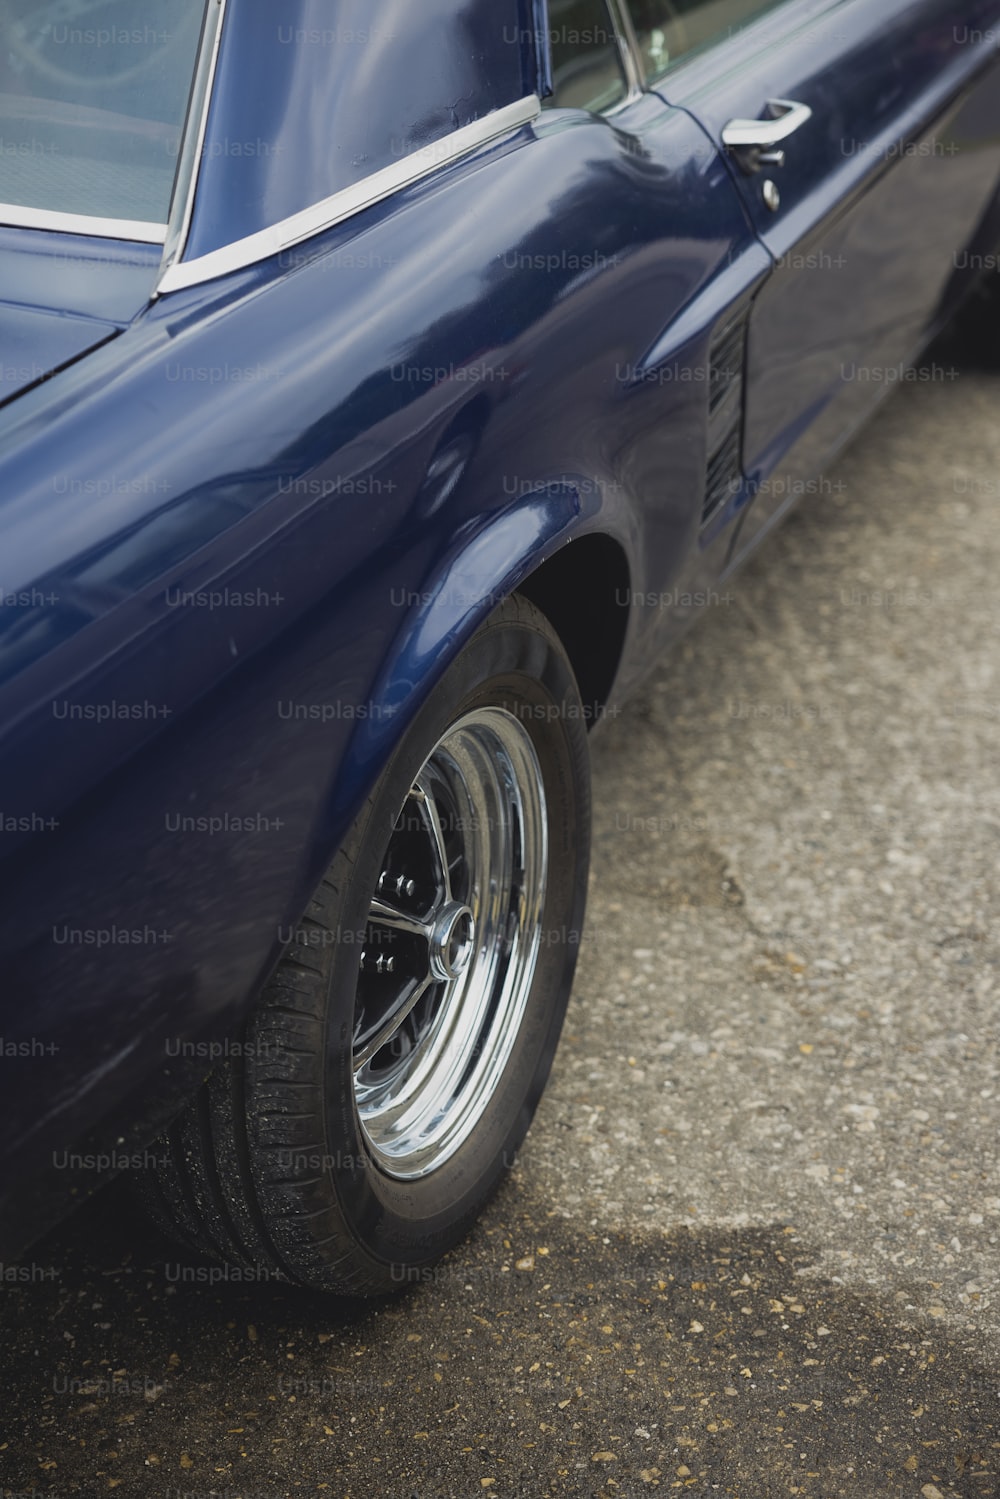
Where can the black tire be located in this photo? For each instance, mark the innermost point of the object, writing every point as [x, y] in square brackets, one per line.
[271, 1166]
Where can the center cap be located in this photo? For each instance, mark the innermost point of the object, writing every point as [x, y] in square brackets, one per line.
[452, 942]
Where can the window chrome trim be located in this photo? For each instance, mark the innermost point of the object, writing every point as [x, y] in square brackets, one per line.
[628, 46]
[350, 200]
[193, 141]
[135, 230]
[628, 57]
[542, 48]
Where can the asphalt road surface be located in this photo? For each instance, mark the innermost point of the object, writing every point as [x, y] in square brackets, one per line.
[751, 1245]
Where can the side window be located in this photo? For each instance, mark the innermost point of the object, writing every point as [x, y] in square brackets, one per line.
[669, 30]
[587, 67]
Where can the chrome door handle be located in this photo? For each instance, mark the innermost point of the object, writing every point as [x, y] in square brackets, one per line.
[786, 118]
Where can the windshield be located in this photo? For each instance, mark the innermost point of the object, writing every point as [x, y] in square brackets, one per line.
[93, 95]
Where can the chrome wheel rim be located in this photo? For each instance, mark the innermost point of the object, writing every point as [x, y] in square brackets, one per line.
[451, 944]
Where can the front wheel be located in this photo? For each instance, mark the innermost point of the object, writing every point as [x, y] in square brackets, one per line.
[395, 1059]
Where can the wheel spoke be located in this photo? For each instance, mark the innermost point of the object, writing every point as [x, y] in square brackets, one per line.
[445, 1000]
[380, 913]
[391, 1024]
[429, 809]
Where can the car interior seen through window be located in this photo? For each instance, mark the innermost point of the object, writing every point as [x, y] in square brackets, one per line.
[587, 68]
[670, 30]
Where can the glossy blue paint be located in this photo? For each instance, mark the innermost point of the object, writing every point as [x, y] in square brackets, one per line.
[905, 115]
[71, 273]
[36, 342]
[291, 121]
[242, 539]
[61, 295]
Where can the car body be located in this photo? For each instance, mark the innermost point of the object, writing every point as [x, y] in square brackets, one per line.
[268, 464]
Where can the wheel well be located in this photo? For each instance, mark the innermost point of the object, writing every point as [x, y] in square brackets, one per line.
[583, 592]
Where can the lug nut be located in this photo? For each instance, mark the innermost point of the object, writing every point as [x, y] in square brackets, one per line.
[382, 963]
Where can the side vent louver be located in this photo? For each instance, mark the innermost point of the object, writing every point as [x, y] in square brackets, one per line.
[725, 415]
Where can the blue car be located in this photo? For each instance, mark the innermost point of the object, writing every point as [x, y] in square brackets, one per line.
[383, 385]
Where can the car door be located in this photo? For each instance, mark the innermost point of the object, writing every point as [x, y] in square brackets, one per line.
[676, 307]
[865, 143]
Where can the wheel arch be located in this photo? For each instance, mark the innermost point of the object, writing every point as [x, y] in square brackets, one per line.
[564, 551]
[582, 590]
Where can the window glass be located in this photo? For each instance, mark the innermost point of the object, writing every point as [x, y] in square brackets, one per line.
[587, 69]
[669, 30]
[92, 103]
